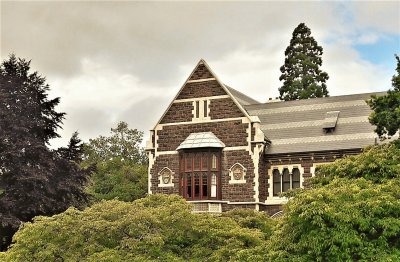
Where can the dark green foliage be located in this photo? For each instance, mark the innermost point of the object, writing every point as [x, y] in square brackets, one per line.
[377, 164]
[156, 228]
[34, 180]
[74, 149]
[346, 220]
[386, 114]
[301, 73]
[116, 179]
[352, 212]
[121, 165]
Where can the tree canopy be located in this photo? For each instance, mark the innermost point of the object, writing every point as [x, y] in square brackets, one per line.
[34, 180]
[155, 228]
[121, 164]
[123, 143]
[386, 114]
[301, 74]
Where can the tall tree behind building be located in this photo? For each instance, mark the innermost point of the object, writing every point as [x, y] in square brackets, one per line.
[301, 74]
[34, 180]
[386, 114]
[121, 164]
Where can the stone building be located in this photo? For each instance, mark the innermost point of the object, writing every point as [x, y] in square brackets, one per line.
[221, 149]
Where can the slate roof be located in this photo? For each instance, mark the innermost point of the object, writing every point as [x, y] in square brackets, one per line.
[203, 139]
[298, 126]
[243, 99]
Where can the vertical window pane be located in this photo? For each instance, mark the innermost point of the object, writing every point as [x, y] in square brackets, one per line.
[205, 185]
[214, 162]
[276, 181]
[204, 162]
[205, 108]
[296, 178]
[197, 161]
[189, 186]
[189, 162]
[181, 185]
[196, 185]
[213, 185]
[286, 180]
[197, 109]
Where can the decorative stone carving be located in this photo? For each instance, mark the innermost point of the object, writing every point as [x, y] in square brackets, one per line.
[237, 174]
[165, 177]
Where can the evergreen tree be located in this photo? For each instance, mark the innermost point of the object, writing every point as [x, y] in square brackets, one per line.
[74, 150]
[34, 180]
[301, 75]
[386, 115]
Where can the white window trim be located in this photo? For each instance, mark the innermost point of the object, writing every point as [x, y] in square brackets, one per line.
[201, 117]
[161, 183]
[276, 200]
[232, 179]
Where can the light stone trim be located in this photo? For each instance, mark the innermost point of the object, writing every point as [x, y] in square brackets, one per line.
[232, 179]
[236, 148]
[308, 107]
[243, 119]
[201, 118]
[151, 163]
[276, 200]
[231, 148]
[201, 80]
[200, 98]
[329, 138]
[171, 183]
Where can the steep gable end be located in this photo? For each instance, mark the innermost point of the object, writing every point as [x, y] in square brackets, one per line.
[202, 97]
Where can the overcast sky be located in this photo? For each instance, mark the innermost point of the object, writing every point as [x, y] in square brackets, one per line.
[113, 61]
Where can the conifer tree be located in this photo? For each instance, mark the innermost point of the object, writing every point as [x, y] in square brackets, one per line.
[301, 74]
[386, 115]
[34, 180]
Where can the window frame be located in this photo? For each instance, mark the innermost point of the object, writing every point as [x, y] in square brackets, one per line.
[206, 168]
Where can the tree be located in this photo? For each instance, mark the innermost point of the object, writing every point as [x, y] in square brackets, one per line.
[301, 75]
[155, 228]
[74, 149]
[121, 164]
[346, 220]
[386, 114]
[34, 180]
[351, 213]
[123, 143]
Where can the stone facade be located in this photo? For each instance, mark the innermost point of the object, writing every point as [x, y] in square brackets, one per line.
[244, 171]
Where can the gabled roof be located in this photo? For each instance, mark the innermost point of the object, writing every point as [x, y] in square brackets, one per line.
[298, 126]
[236, 98]
[241, 98]
[201, 140]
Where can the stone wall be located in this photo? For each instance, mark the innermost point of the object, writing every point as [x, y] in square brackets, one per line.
[178, 112]
[231, 133]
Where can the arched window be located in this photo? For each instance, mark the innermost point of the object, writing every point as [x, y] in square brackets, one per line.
[276, 177]
[285, 180]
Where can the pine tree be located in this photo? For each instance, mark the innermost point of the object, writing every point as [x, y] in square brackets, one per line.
[386, 114]
[301, 75]
[34, 180]
[74, 149]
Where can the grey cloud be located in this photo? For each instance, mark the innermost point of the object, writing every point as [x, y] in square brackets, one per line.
[147, 39]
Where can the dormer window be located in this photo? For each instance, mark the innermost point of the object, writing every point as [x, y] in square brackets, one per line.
[330, 121]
